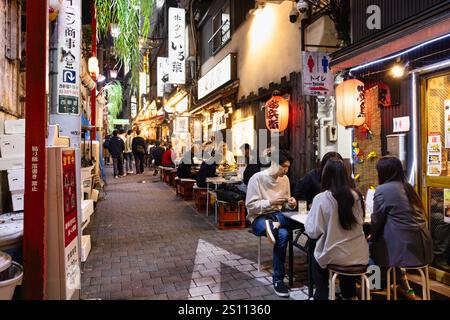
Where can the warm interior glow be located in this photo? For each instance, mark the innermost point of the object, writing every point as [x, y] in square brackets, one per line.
[262, 27]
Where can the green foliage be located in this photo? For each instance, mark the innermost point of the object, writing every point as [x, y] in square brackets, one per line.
[127, 14]
[114, 96]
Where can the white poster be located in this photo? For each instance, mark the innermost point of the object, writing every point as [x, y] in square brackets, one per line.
[219, 121]
[162, 74]
[177, 42]
[447, 123]
[401, 124]
[242, 132]
[318, 80]
[69, 44]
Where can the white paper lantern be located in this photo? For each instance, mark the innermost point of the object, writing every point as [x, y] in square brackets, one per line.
[350, 103]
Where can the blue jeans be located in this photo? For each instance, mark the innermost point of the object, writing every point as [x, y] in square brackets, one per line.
[281, 237]
[129, 161]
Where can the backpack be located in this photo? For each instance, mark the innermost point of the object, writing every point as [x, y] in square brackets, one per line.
[106, 144]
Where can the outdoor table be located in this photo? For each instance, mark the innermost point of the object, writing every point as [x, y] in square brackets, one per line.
[215, 181]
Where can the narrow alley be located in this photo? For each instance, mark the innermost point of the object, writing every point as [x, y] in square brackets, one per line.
[149, 244]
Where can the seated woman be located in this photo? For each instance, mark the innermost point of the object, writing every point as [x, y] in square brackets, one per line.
[399, 235]
[168, 156]
[207, 169]
[336, 222]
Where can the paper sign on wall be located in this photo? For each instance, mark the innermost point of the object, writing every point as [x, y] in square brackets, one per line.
[447, 123]
[318, 80]
[401, 124]
[434, 155]
[162, 74]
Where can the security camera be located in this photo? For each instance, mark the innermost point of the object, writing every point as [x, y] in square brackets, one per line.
[302, 6]
[293, 15]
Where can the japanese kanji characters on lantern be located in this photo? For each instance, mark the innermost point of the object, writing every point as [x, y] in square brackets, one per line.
[277, 113]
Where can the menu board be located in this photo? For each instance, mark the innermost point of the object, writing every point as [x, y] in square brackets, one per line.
[434, 155]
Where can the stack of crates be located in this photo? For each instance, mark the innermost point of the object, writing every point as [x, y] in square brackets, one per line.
[12, 159]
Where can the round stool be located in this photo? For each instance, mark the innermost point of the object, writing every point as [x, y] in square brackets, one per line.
[423, 270]
[354, 271]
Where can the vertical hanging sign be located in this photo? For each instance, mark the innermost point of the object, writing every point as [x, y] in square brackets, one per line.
[162, 74]
[69, 44]
[177, 42]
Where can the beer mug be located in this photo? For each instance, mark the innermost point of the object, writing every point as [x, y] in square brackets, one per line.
[302, 207]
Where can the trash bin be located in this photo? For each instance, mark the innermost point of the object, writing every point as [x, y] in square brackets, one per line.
[11, 274]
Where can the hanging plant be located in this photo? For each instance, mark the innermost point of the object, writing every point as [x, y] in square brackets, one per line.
[127, 14]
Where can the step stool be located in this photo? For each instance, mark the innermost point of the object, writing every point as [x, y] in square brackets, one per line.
[186, 187]
[231, 215]
[200, 195]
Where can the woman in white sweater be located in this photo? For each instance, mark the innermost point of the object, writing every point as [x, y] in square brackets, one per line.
[336, 222]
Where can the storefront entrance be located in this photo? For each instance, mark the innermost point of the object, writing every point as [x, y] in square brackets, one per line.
[435, 173]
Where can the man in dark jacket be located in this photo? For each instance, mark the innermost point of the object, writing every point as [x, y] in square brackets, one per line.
[116, 148]
[207, 169]
[157, 153]
[138, 149]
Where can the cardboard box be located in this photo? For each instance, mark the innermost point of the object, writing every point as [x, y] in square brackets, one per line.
[15, 126]
[12, 146]
[17, 201]
[12, 163]
[85, 247]
[16, 179]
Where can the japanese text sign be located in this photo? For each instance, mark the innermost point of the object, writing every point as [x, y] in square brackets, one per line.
[177, 46]
[318, 80]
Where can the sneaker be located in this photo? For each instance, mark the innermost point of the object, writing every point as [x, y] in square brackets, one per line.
[130, 172]
[270, 230]
[408, 294]
[116, 177]
[280, 289]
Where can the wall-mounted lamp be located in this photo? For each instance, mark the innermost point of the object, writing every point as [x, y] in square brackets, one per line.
[398, 70]
[93, 67]
[113, 74]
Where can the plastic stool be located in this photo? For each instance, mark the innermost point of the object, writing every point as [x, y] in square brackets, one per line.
[356, 270]
[424, 277]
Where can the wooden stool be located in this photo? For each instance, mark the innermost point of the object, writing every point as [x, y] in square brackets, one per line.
[200, 195]
[354, 271]
[172, 176]
[231, 215]
[423, 276]
[177, 185]
[160, 168]
[186, 188]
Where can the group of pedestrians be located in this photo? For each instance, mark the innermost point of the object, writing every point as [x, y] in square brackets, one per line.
[124, 147]
[398, 238]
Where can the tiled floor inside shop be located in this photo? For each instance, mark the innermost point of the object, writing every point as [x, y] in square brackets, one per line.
[147, 243]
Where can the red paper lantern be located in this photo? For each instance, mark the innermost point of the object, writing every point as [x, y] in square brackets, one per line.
[350, 103]
[277, 113]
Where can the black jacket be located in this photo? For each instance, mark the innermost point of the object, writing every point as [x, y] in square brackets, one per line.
[206, 171]
[308, 186]
[116, 146]
[157, 153]
[137, 141]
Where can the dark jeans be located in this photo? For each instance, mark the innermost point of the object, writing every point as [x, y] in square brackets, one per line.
[129, 161]
[281, 237]
[118, 165]
[320, 276]
[139, 160]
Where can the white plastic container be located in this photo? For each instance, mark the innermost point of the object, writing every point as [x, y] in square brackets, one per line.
[9, 279]
[17, 200]
[15, 126]
[16, 179]
[87, 208]
[12, 146]
[85, 247]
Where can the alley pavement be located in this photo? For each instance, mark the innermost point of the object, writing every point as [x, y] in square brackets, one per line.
[147, 243]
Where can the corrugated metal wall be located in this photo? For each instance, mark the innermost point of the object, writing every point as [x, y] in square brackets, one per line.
[392, 12]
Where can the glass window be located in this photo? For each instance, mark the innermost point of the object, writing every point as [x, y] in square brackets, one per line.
[221, 29]
[438, 118]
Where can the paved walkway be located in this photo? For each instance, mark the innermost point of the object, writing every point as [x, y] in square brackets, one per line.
[149, 244]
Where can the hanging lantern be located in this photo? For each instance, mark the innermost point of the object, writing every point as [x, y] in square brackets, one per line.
[350, 103]
[53, 9]
[93, 67]
[277, 113]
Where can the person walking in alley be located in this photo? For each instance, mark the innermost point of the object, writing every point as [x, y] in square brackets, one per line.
[268, 192]
[138, 149]
[399, 235]
[335, 221]
[129, 152]
[157, 153]
[116, 148]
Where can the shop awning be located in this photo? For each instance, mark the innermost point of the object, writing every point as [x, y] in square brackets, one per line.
[392, 41]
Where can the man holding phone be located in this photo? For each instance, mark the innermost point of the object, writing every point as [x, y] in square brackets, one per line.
[268, 192]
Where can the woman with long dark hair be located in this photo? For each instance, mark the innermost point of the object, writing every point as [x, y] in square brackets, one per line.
[399, 235]
[336, 222]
